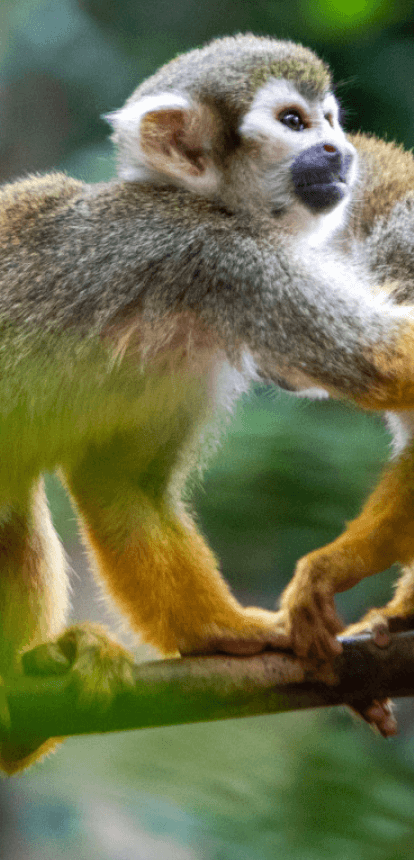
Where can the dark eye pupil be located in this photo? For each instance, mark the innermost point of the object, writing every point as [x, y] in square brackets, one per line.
[293, 120]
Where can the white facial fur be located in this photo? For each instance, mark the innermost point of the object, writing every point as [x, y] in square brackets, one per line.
[126, 124]
[280, 145]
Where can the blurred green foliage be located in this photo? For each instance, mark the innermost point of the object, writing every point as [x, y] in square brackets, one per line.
[63, 63]
[289, 474]
[296, 786]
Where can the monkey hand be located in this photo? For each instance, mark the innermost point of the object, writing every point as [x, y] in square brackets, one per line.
[98, 667]
[311, 620]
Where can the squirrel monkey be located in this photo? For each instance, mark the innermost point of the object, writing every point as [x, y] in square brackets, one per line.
[134, 312]
[380, 232]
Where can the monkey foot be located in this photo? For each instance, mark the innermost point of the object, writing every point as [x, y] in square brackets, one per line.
[380, 712]
[380, 715]
[376, 624]
[255, 631]
[97, 666]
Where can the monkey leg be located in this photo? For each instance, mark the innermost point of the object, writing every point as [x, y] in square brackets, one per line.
[33, 599]
[397, 615]
[160, 572]
[382, 534]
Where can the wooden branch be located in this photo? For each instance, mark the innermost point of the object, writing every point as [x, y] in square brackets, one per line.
[194, 689]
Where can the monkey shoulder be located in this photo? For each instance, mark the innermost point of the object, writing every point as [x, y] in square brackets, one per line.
[166, 223]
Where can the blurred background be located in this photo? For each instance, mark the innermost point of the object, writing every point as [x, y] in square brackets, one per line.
[299, 786]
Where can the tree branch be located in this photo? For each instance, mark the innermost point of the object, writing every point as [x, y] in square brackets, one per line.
[194, 689]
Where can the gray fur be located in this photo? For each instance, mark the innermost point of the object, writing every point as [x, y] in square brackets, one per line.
[227, 72]
[173, 251]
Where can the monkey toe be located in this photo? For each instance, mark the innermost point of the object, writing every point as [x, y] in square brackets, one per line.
[375, 624]
[380, 716]
[241, 646]
[255, 630]
[237, 647]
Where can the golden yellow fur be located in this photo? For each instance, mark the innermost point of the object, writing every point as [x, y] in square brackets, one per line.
[133, 314]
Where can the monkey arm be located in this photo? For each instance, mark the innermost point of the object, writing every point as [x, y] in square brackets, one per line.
[312, 321]
[322, 325]
[154, 255]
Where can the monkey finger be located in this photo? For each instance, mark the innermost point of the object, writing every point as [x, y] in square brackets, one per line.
[327, 647]
[317, 644]
[330, 646]
[313, 633]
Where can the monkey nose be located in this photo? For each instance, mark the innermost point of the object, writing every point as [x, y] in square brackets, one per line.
[335, 157]
[319, 175]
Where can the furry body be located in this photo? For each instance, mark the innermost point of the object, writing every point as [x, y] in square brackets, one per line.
[133, 313]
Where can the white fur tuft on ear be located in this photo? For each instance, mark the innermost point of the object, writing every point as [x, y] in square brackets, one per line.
[127, 119]
[163, 137]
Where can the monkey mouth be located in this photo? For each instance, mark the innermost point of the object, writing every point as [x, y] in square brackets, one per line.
[319, 176]
[322, 194]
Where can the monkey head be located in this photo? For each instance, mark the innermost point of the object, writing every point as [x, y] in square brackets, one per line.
[249, 122]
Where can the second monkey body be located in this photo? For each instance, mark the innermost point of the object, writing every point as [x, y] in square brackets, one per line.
[133, 312]
[379, 233]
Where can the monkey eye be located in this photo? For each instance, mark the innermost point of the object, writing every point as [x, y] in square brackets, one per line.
[292, 119]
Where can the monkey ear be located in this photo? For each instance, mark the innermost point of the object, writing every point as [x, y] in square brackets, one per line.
[164, 136]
